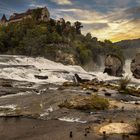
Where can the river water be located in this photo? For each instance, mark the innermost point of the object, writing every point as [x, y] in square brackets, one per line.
[24, 69]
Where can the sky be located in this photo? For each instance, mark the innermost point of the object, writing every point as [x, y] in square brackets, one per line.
[105, 19]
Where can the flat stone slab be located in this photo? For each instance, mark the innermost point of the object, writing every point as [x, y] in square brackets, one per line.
[118, 128]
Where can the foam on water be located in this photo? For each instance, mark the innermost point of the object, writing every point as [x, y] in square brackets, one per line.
[127, 72]
[67, 119]
[46, 112]
[15, 95]
[24, 68]
[12, 107]
[7, 109]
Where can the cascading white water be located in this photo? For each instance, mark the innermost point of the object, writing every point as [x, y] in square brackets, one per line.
[23, 68]
[127, 72]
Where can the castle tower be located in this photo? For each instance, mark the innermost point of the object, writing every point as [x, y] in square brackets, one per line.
[45, 14]
[3, 20]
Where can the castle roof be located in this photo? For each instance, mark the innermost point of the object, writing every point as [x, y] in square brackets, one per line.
[3, 19]
[21, 15]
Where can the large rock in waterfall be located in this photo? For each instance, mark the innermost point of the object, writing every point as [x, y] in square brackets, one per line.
[113, 65]
[135, 66]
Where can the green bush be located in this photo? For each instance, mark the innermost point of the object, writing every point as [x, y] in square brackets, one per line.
[99, 103]
[92, 103]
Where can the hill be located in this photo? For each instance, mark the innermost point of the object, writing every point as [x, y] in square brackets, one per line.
[125, 44]
[57, 40]
[130, 47]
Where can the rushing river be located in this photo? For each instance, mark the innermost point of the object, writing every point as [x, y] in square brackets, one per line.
[56, 122]
[25, 68]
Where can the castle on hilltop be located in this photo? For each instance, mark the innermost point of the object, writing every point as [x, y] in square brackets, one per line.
[42, 14]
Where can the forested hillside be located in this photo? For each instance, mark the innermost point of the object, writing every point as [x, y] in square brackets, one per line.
[58, 41]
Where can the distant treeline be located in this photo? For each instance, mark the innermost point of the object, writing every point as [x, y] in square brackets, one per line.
[129, 44]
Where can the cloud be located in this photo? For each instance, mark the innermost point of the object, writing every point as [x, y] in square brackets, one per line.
[97, 26]
[62, 2]
[84, 16]
[128, 30]
[138, 1]
[36, 5]
[118, 24]
[105, 19]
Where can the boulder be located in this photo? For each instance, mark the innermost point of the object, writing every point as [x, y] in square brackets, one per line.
[65, 58]
[135, 66]
[78, 79]
[5, 83]
[113, 65]
[41, 77]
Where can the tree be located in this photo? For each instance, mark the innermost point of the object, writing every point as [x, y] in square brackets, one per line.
[78, 26]
[2, 47]
[88, 37]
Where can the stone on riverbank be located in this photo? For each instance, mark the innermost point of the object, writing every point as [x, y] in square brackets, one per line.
[118, 128]
[113, 65]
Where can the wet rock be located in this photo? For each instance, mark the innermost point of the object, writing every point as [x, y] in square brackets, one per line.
[65, 58]
[88, 93]
[68, 84]
[78, 79]
[135, 66]
[107, 94]
[98, 121]
[5, 83]
[94, 89]
[90, 87]
[71, 134]
[41, 77]
[113, 65]
[95, 81]
[137, 103]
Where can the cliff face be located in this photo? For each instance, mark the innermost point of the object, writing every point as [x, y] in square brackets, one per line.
[63, 53]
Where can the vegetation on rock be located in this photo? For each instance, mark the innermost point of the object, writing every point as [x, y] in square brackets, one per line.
[93, 102]
[123, 83]
[36, 38]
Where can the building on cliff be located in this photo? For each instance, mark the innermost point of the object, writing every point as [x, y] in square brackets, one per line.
[41, 14]
[3, 20]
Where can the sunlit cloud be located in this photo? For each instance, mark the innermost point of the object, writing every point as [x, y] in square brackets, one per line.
[116, 25]
[32, 5]
[62, 2]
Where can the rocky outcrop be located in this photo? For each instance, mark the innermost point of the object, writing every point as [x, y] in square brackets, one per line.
[92, 102]
[135, 66]
[65, 58]
[113, 65]
[78, 79]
